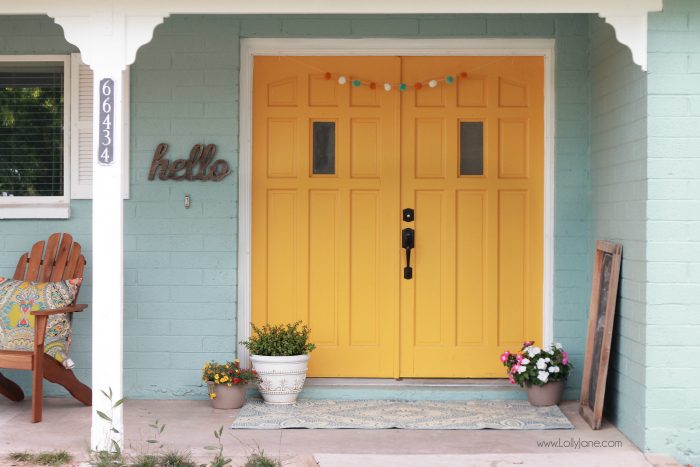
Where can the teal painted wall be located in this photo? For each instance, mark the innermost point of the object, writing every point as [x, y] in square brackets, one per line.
[180, 265]
[39, 35]
[618, 182]
[673, 251]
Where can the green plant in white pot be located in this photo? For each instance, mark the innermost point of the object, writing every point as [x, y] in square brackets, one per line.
[280, 356]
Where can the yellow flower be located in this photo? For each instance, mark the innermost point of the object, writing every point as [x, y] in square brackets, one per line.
[212, 396]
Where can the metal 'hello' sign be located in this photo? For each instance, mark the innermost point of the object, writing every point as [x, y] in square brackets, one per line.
[200, 165]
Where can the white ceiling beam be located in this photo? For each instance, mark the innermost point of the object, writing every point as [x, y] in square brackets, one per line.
[89, 24]
[165, 7]
[86, 20]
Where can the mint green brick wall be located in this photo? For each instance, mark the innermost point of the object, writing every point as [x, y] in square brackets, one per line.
[673, 268]
[21, 35]
[180, 265]
[618, 182]
[183, 92]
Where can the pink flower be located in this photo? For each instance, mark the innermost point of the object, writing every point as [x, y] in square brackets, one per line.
[519, 358]
[564, 358]
[515, 368]
[528, 343]
[504, 356]
[511, 379]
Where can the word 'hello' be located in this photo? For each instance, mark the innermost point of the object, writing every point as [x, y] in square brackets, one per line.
[195, 167]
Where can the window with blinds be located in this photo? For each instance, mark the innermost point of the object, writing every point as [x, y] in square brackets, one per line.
[32, 128]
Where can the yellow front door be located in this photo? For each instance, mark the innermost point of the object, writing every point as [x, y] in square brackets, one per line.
[335, 164]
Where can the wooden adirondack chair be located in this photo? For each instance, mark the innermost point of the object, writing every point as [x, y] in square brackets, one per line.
[62, 260]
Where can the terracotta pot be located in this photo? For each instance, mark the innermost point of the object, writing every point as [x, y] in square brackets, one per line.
[227, 397]
[281, 379]
[549, 394]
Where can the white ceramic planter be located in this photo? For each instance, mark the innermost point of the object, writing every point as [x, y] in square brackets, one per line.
[281, 378]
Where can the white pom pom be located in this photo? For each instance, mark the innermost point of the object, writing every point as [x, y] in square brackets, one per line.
[342, 79]
[432, 83]
[387, 87]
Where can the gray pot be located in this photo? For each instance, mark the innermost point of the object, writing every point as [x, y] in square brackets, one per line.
[227, 397]
[549, 394]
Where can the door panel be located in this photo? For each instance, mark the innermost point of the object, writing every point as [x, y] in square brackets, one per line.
[477, 285]
[324, 244]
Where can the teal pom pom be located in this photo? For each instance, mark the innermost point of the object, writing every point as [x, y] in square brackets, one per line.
[403, 86]
[356, 83]
[449, 79]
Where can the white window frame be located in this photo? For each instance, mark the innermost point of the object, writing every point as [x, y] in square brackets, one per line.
[44, 207]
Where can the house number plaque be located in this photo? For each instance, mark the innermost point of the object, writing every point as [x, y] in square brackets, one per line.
[105, 151]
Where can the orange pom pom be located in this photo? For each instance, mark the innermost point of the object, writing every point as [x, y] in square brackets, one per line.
[417, 86]
[373, 85]
[463, 74]
[327, 75]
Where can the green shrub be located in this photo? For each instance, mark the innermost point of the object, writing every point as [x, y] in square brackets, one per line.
[146, 460]
[280, 341]
[54, 458]
[166, 459]
[107, 459]
[176, 459]
[259, 459]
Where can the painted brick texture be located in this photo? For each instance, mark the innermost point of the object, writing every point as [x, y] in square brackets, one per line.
[618, 183]
[181, 298]
[20, 35]
[180, 264]
[673, 293]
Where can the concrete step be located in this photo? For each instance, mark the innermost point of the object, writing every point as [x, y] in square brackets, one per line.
[410, 389]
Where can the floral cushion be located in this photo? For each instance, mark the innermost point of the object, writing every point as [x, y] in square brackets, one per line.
[19, 298]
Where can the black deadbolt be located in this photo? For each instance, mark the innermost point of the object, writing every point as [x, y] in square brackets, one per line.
[408, 215]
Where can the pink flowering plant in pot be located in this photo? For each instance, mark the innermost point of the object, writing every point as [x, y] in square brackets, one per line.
[542, 370]
[537, 366]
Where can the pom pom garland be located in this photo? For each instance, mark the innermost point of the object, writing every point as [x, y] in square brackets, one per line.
[418, 85]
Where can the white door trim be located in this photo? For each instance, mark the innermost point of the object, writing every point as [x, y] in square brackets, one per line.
[384, 46]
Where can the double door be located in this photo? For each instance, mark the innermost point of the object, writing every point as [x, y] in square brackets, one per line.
[354, 184]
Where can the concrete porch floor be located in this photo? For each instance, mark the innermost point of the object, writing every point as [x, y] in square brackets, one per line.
[190, 426]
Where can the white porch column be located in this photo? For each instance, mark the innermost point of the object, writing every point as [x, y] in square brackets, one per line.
[108, 38]
[108, 255]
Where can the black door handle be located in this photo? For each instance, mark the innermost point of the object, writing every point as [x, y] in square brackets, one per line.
[408, 241]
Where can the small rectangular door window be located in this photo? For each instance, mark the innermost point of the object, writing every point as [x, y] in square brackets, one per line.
[324, 148]
[471, 148]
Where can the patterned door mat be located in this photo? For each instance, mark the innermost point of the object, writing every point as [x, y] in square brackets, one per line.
[409, 415]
